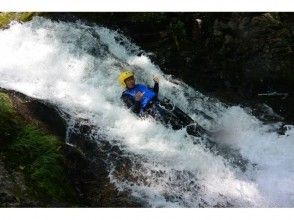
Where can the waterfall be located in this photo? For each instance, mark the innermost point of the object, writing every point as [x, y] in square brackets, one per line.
[75, 67]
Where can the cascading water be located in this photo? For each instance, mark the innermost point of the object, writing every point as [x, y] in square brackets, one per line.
[75, 67]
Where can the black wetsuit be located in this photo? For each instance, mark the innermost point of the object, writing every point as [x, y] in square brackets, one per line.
[164, 111]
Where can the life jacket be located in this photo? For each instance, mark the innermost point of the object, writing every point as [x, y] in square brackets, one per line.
[146, 98]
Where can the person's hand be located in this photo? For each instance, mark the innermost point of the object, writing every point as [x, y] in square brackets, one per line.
[139, 96]
[156, 79]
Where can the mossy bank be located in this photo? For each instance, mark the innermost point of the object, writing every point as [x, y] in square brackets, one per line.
[37, 167]
[34, 155]
[7, 17]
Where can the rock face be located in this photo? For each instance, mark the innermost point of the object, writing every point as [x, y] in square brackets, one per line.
[251, 53]
[90, 161]
[86, 163]
[13, 190]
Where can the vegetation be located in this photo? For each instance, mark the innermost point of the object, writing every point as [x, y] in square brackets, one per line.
[35, 153]
[7, 17]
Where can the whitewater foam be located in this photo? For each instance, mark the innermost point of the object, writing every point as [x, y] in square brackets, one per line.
[75, 67]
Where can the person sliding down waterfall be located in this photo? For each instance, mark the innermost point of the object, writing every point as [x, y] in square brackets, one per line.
[144, 101]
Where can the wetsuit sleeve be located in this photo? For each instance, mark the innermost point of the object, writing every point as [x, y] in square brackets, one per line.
[156, 88]
[130, 103]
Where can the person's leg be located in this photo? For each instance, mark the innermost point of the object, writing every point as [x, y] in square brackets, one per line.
[195, 130]
[174, 118]
[175, 111]
[163, 115]
[186, 119]
[168, 117]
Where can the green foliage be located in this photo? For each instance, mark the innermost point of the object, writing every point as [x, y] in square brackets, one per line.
[7, 17]
[8, 125]
[41, 158]
[5, 103]
[36, 153]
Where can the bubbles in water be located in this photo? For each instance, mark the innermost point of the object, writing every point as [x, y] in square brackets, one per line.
[75, 66]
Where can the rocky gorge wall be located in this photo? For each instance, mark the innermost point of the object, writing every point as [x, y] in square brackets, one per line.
[231, 56]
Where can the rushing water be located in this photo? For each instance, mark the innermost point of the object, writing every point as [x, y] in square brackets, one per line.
[75, 67]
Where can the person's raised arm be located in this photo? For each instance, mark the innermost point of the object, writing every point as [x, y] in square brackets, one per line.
[156, 84]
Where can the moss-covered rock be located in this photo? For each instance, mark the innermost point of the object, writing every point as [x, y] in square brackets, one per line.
[9, 126]
[38, 156]
[42, 170]
[7, 17]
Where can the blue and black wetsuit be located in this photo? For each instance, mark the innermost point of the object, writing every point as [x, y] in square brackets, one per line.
[161, 110]
[138, 107]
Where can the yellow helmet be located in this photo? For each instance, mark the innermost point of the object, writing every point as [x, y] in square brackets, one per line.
[123, 76]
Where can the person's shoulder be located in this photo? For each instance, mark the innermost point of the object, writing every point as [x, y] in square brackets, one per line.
[125, 93]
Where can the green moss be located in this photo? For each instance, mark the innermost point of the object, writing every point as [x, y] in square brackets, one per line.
[7, 17]
[5, 103]
[38, 155]
[4, 19]
[8, 124]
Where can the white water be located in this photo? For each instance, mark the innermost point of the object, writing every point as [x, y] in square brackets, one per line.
[75, 67]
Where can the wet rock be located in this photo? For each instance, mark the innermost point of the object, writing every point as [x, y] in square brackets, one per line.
[87, 161]
[13, 190]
